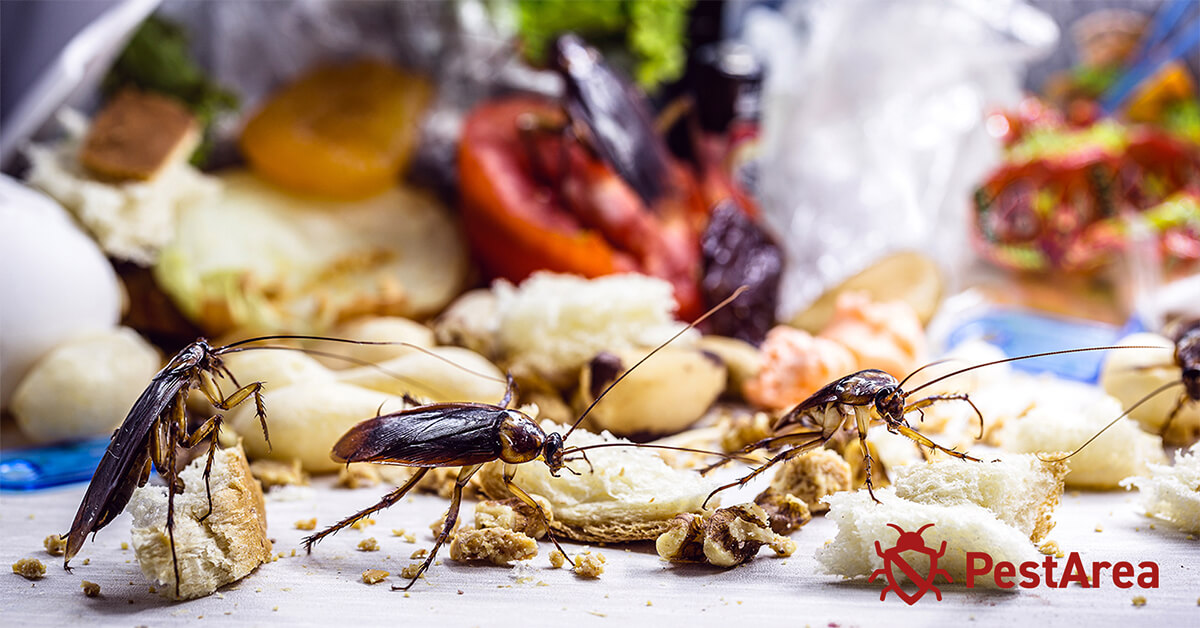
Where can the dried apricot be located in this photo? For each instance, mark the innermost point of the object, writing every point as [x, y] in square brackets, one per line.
[342, 132]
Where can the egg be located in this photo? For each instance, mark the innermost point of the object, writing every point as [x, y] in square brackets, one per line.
[54, 282]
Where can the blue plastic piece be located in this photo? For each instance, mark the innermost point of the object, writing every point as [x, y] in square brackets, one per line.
[1022, 332]
[43, 467]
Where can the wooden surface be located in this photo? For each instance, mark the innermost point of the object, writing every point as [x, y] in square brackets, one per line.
[636, 588]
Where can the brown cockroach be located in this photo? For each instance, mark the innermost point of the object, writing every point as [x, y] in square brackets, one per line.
[157, 425]
[865, 396]
[469, 435]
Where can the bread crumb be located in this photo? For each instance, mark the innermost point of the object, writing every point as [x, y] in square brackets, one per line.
[410, 571]
[1139, 600]
[1099, 529]
[124, 545]
[374, 576]
[362, 524]
[1050, 548]
[368, 544]
[557, 559]
[307, 524]
[410, 538]
[357, 476]
[649, 603]
[55, 545]
[273, 473]
[90, 589]
[397, 531]
[514, 514]
[812, 476]
[421, 553]
[29, 568]
[87, 561]
[589, 565]
[500, 546]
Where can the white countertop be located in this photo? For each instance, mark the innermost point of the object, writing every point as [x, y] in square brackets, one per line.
[637, 587]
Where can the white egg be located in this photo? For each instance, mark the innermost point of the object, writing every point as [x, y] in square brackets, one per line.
[54, 282]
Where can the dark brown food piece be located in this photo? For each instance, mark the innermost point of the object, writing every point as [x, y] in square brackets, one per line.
[136, 134]
[786, 511]
[738, 252]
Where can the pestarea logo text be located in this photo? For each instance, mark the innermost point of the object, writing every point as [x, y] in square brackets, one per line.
[1046, 573]
[1049, 573]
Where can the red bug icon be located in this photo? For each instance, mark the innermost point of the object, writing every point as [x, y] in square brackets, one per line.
[909, 541]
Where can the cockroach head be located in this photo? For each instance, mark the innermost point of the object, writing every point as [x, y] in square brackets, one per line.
[1191, 383]
[889, 402]
[552, 451]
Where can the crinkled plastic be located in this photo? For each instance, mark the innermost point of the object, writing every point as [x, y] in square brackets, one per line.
[874, 130]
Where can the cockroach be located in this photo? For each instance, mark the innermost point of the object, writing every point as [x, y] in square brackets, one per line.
[157, 425]
[469, 435]
[863, 397]
[610, 118]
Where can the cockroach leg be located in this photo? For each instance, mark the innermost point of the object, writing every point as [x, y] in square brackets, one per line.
[260, 411]
[781, 457]
[387, 501]
[209, 428]
[509, 472]
[920, 404]
[464, 476]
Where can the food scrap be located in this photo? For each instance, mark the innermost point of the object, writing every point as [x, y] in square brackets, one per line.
[374, 576]
[90, 589]
[55, 545]
[589, 564]
[726, 538]
[29, 568]
[368, 544]
[306, 524]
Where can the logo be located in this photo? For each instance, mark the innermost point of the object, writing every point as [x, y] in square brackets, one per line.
[892, 560]
[1003, 574]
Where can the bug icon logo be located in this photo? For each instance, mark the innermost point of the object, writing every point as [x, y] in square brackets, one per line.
[893, 560]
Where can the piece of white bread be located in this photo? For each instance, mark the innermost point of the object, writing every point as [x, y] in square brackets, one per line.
[627, 494]
[1122, 451]
[1021, 490]
[224, 547]
[1173, 493]
[552, 324]
[973, 508]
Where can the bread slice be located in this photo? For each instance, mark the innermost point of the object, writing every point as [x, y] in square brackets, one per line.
[1173, 493]
[137, 134]
[223, 548]
[1021, 490]
[993, 507]
[1122, 451]
[628, 494]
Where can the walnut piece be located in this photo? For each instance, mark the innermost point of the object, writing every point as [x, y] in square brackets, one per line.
[787, 512]
[725, 538]
[90, 589]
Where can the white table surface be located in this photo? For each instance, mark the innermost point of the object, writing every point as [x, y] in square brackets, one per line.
[637, 588]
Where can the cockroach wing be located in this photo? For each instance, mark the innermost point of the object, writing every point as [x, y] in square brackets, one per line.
[619, 122]
[435, 435]
[856, 389]
[119, 470]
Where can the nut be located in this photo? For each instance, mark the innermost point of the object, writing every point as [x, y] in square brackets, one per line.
[787, 512]
[683, 542]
